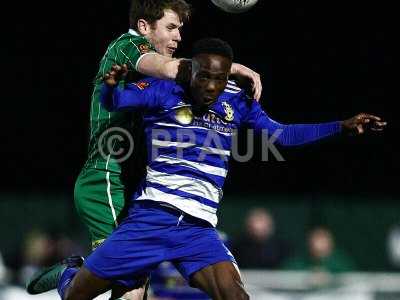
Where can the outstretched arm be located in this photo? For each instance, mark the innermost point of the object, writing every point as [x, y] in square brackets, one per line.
[298, 134]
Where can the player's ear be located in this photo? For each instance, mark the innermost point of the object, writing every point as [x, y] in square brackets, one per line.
[143, 26]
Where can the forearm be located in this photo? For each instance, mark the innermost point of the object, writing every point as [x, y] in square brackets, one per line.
[107, 97]
[247, 79]
[299, 134]
[159, 66]
[292, 134]
[235, 67]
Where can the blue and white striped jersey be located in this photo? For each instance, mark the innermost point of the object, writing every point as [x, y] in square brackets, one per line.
[188, 154]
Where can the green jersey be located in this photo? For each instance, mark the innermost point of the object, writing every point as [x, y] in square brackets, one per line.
[106, 136]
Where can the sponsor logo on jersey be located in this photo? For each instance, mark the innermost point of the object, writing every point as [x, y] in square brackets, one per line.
[141, 85]
[212, 121]
[228, 111]
[144, 48]
[184, 115]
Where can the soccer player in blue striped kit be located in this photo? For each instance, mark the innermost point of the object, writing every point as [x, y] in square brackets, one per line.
[172, 215]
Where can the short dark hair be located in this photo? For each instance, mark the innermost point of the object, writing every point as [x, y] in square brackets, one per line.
[213, 46]
[153, 10]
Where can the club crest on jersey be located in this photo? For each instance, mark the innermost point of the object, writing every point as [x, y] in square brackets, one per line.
[228, 111]
[141, 85]
[184, 115]
[144, 48]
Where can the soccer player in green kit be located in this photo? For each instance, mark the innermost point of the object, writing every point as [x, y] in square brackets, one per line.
[100, 188]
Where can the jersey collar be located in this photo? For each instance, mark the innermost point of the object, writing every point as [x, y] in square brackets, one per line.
[133, 32]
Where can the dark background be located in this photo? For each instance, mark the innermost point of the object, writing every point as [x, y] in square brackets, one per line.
[318, 63]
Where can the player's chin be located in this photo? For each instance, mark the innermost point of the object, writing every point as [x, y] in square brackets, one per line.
[169, 52]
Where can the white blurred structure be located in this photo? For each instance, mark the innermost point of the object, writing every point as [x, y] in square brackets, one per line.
[296, 285]
[3, 271]
[393, 246]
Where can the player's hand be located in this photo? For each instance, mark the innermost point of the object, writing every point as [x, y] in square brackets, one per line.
[115, 74]
[363, 122]
[242, 71]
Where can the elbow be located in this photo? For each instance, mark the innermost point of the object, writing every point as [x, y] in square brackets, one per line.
[168, 71]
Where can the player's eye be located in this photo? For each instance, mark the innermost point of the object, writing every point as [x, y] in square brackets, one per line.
[202, 75]
[220, 80]
[171, 27]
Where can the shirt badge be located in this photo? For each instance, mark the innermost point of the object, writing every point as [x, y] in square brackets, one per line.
[184, 115]
[141, 85]
[144, 48]
[228, 111]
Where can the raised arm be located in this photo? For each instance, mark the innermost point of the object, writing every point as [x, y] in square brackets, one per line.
[159, 66]
[245, 74]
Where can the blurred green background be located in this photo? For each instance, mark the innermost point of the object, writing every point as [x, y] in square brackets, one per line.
[360, 225]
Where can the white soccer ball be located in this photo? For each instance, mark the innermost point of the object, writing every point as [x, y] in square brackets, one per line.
[234, 6]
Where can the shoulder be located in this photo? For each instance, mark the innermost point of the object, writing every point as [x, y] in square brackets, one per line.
[130, 42]
[140, 43]
[160, 89]
[127, 38]
[231, 92]
[232, 88]
[164, 86]
[236, 96]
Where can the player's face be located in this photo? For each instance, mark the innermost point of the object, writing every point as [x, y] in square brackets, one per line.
[165, 34]
[209, 77]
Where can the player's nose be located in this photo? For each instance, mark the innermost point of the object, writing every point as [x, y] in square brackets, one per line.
[177, 36]
[211, 86]
[212, 89]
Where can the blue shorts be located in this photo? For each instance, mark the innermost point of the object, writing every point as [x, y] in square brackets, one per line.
[151, 234]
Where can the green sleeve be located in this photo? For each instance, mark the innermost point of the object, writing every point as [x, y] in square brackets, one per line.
[132, 50]
[127, 49]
